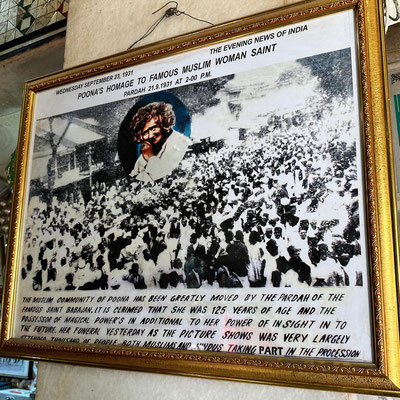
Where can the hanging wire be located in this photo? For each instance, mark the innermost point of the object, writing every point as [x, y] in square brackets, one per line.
[169, 12]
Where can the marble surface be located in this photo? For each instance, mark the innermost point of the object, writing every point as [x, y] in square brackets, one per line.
[99, 28]
[59, 382]
[14, 72]
[64, 382]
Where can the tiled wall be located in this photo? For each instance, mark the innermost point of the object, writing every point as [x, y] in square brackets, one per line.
[21, 17]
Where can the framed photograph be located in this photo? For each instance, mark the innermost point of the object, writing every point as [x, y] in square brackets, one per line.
[394, 91]
[220, 204]
[13, 368]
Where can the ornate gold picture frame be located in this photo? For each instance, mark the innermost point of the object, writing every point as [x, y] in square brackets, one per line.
[220, 204]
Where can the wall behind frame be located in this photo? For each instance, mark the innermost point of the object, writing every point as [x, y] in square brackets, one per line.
[98, 28]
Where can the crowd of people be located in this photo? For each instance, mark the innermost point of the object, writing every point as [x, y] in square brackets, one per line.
[276, 207]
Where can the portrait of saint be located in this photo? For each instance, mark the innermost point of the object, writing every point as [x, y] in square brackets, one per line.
[161, 147]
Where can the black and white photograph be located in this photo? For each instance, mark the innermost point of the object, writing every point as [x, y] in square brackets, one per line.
[217, 204]
[212, 201]
[246, 180]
